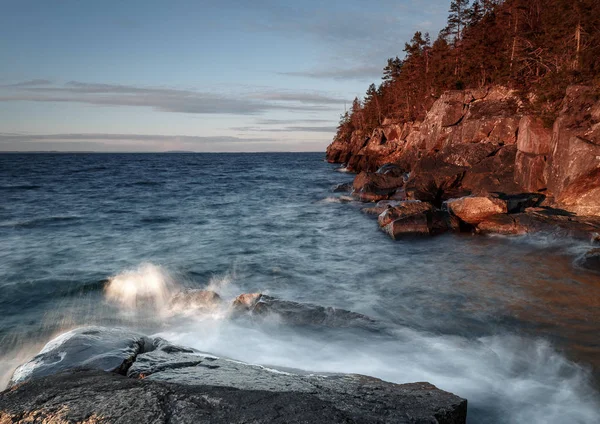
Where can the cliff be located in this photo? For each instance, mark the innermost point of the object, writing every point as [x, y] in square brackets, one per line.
[479, 142]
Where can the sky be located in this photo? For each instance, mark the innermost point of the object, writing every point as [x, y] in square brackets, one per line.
[203, 75]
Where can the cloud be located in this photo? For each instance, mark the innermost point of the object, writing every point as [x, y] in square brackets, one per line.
[366, 72]
[301, 97]
[288, 121]
[13, 137]
[29, 83]
[169, 99]
[294, 128]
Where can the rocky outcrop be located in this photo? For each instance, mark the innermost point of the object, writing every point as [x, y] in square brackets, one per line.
[479, 142]
[171, 384]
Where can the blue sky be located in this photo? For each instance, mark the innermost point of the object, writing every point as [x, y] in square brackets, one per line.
[202, 75]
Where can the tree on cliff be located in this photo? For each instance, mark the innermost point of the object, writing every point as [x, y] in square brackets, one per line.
[536, 46]
[457, 20]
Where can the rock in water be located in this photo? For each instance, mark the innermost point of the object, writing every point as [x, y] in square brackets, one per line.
[410, 225]
[403, 210]
[261, 306]
[196, 300]
[374, 186]
[501, 224]
[178, 385]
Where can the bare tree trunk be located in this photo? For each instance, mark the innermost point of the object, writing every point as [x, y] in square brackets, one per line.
[514, 45]
[578, 39]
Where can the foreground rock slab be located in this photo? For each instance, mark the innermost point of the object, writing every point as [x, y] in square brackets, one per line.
[88, 396]
[171, 384]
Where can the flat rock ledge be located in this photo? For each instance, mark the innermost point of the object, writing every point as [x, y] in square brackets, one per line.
[164, 383]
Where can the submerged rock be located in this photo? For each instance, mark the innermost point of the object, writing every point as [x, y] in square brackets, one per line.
[173, 384]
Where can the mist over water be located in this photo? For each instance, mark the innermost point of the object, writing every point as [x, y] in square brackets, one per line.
[507, 323]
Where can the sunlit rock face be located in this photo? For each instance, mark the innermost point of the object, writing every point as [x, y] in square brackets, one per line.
[573, 171]
[480, 142]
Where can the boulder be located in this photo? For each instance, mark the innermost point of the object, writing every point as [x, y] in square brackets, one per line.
[373, 186]
[261, 307]
[245, 302]
[433, 180]
[501, 224]
[107, 349]
[473, 210]
[381, 206]
[196, 300]
[589, 261]
[402, 210]
[516, 203]
[411, 225]
[342, 188]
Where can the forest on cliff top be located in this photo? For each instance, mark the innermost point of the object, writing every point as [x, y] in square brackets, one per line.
[537, 47]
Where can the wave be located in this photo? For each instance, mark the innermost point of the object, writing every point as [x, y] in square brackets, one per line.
[22, 187]
[158, 220]
[340, 199]
[41, 222]
[506, 379]
[147, 288]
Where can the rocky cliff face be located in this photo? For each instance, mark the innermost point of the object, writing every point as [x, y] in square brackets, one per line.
[484, 141]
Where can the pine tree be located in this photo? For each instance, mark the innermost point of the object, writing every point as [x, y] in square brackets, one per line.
[457, 20]
[392, 70]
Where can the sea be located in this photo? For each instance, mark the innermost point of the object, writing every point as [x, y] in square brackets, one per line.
[508, 323]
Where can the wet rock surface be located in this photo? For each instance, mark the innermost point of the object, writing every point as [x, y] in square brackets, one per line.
[172, 384]
[108, 349]
[90, 396]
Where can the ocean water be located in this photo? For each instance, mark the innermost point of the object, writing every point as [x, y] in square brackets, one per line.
[508, 323]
